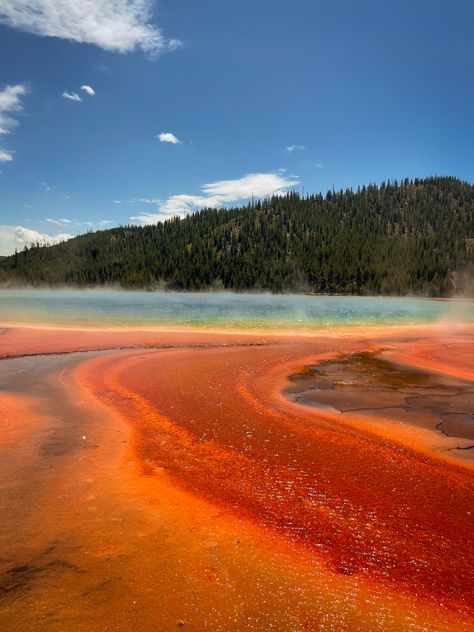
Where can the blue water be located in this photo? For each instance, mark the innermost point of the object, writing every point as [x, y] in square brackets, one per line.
[121, 308]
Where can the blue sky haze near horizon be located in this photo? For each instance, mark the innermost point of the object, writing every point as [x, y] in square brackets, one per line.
[119, 117]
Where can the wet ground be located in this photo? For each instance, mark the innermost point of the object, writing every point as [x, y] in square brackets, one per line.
[370, 384]
[171, 485]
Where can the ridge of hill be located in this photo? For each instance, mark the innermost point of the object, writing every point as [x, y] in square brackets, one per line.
[414, 236]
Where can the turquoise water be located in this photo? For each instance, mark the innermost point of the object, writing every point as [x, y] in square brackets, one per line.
[120, 308]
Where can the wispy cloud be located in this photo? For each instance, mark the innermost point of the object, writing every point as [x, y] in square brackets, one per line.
[292, 148]
[220, 193]
[72, 96]
[168, 137]
[5, 155]
[12, 237]
[100, 68]
[150, 201]
[141, 200]
[10, 102]
[114, 25]
[45, 186]
[88, 90]
[60, 222]
[76, 223]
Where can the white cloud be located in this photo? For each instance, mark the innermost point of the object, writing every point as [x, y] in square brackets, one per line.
[10, 101]
[254, 184]
[220, 193]
[59, 222]
[72, 96]
[5, 156]
[168, 137]
[149, 201]
[292, 148]
[12, 237]
[114, 25]
[88, 90]
[99, 68]
[64, 221]
[147, 218]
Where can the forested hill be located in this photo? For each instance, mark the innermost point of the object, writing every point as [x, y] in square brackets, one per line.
[413, 236]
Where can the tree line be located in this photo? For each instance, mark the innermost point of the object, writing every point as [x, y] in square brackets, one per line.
[413, 236]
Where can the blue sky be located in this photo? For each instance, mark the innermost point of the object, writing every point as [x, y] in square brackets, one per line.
[256, 97]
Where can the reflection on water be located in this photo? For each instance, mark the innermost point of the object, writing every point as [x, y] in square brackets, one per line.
[121, 308]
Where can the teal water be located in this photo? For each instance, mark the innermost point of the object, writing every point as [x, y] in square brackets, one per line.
[120, 308]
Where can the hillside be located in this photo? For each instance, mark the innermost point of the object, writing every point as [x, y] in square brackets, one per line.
[414, 236]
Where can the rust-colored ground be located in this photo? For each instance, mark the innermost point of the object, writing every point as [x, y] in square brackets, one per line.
[169, 482]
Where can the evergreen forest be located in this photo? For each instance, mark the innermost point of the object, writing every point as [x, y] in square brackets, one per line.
[413, 236]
